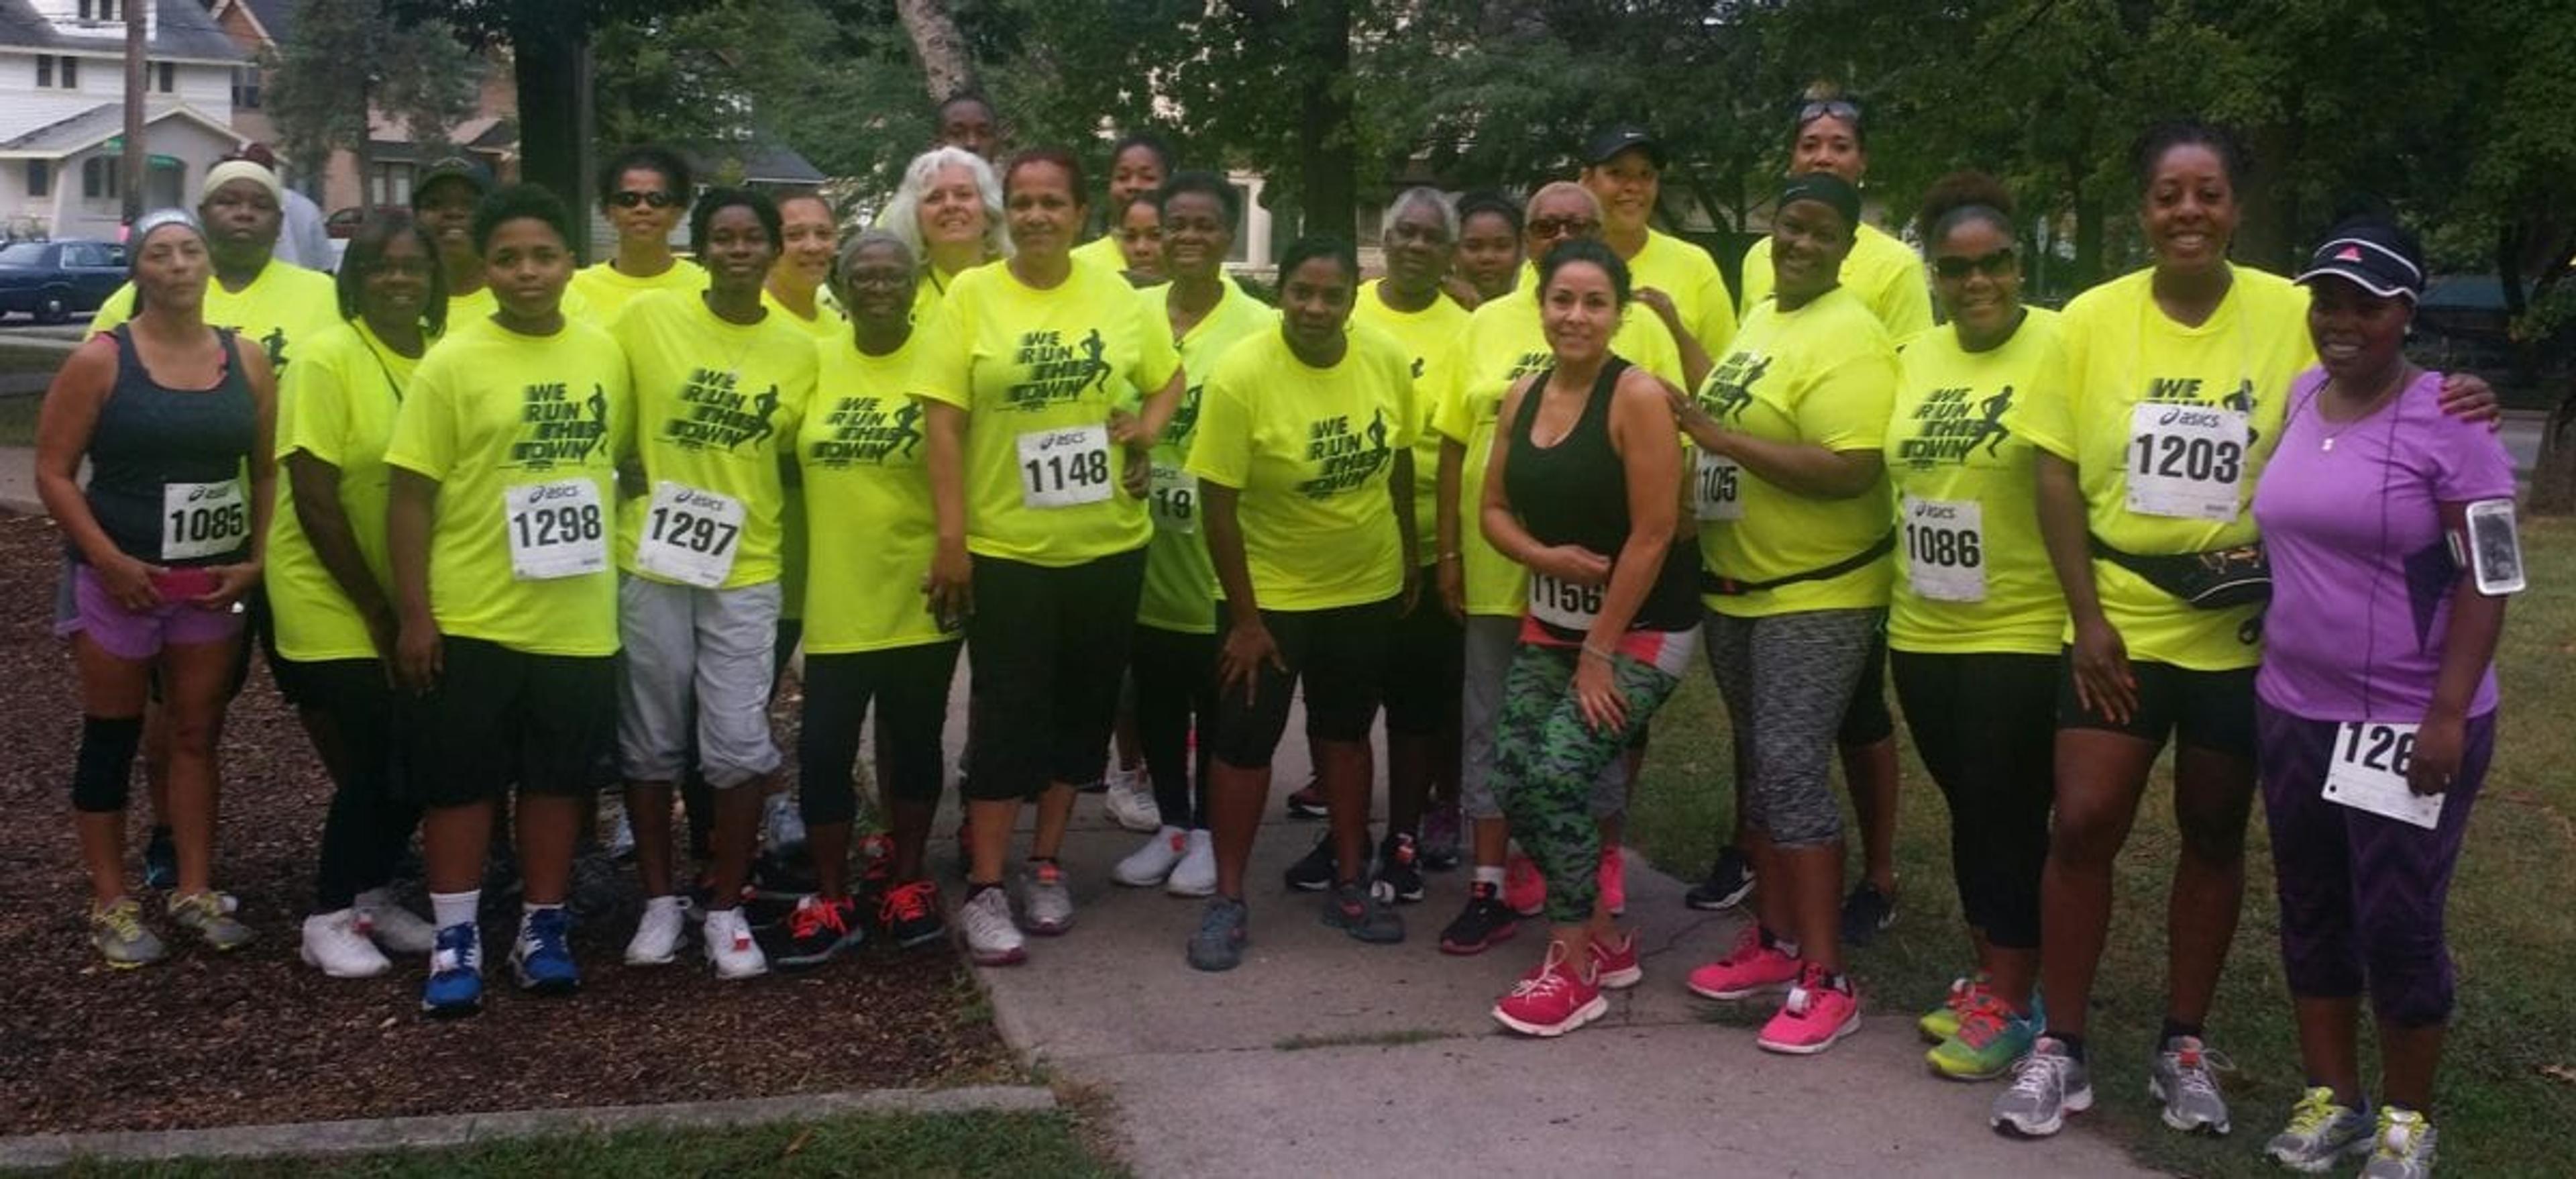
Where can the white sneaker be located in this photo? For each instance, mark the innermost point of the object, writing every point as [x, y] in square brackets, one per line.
[1148, 865]
[730, 947]
[782, 826]
[1130, 799]
[395, 928]
[334, 946]
[992, 938]
[1196, 877]
[1046, 900]
[657, 936]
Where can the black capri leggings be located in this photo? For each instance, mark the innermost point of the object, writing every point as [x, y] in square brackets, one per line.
[1175, 689]
[1047, 645]
[1866, 720]
[1340, 656]
[371, 818]
[1986, 725]
[910, 688]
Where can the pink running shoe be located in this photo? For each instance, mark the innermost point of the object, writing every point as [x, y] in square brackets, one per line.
[1614, 880]
[1813, 1016]
[1616, 966]
[1553, 1001]
[1751, 968]
[1523, 888]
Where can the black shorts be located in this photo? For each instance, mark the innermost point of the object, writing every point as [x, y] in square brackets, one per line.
[1047, 646]
[502, 717]
[1866, 720]
[1340, 657]
[2212, 710]
[1425, 666]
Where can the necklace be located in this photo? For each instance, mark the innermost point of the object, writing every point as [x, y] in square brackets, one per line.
[2367, 408]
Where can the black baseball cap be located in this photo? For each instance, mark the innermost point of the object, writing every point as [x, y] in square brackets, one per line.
[2373, 254]
[1618, 137]
[465, 168]
[1827, 188]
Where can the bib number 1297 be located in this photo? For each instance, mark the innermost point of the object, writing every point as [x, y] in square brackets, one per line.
[689, 535]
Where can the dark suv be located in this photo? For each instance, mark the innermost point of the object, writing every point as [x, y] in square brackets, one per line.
[54, 280]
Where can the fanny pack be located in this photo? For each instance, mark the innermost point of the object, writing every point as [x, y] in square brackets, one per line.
[1713, 582]
[2217, 580]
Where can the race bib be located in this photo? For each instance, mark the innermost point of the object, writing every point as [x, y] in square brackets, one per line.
[2368, 773]
[203, 519]
[556, 529]
[1564, 604]
[1945, 549]
[1175, 500]
[1064, 468]
[689, 535]
[2186, 461]
[1716, 487]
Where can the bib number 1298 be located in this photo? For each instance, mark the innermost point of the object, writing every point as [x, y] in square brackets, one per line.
[556, 529]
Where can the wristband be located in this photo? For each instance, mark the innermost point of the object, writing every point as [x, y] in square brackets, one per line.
[1592, 652]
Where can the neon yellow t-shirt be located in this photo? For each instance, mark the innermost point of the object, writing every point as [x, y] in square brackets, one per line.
[1427, 335]
[1822, 375]
[1040, 371]
[1690, 277]
[1504, 342]
[826, 323]
[1180, 580]
[1103, 251]
[490, 411]
[605, 291]
[483, 304]
[716, 403]
[871, 534]
[282, 307]
[337, 404]
[1882, 270]
[1972, 575]
[1311, 450]
[2201, 389]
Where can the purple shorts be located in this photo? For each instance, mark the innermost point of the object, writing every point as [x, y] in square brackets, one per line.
[140, 635]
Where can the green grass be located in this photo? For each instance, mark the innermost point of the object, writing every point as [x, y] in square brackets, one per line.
[1394, 1039]
[945, 1145]
[18, 420]
[2500, 1107]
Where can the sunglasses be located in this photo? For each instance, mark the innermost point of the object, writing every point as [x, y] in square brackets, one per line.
[1994, 265]
[1829, 108]
[1565, 226]
[629, 200]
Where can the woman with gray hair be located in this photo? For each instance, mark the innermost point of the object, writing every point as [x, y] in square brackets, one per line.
[948, 214]
[869, 634]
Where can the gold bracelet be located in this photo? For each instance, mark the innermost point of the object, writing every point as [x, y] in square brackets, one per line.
[1597, 653]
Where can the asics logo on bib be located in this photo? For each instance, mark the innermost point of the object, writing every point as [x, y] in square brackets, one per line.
[1730, 388]
[557, 429]
[1346, 460]
[2188, 417]
[1053, 372]
[1952, 430]
[549, 492]
[865, 432]
[715, 415]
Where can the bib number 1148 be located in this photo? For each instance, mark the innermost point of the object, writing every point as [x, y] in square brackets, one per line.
[1064, 468]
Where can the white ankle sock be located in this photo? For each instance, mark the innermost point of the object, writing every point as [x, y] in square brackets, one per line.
[455, 908]
[1492, 876]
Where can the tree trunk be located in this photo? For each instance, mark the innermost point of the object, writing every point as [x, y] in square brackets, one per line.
[1327, 145]
[553, 73]
[946, 66]
[2553, 473]
[2088, 239]
[138, 162]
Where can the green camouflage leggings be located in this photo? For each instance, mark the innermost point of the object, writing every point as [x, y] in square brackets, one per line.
[1546, 757]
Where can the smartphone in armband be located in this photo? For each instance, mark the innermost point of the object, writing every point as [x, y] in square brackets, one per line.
[2495, 549]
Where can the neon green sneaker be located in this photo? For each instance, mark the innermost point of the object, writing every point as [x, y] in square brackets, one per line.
[1942, 1022]
[1990, 1038]
[2321, 1133]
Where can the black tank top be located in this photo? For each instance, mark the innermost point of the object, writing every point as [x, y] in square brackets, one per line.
[151, 439]
[1576, 492]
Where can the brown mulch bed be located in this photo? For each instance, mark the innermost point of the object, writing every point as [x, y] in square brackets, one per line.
[258, 1037]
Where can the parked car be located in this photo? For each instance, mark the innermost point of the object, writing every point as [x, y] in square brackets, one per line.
[343, 223]
[54, 280]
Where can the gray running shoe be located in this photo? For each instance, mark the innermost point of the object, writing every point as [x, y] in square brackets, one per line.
[1046, 901]
[2046, 1086]
[212, 919]
[1218, 945]
[2321, 1132]
[1357, 910]
[2404, 1149]
[122, 938]
[2185, 1079]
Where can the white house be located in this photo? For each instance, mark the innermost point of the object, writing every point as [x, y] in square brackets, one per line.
[62, 111]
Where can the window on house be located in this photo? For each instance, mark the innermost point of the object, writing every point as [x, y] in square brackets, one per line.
[40, 178]
[99, 178]
[98, 9]
[167, 77]
[44, 71]
[246, 87]
[71, 73]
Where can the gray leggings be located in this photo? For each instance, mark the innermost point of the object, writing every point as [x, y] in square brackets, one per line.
[1787, 679]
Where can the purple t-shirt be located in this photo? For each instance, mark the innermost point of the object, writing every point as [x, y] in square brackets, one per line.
[2362, 574]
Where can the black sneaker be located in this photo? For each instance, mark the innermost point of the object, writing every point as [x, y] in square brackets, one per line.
[1486, 923]
[1865, 912]
[1730, 880]
[160, 860]
[819, 931]
[777, 877]
[1316, 872]
[1308, 801]
[909, 914]
[1397, 871]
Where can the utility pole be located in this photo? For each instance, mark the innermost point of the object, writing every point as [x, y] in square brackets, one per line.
[133, 171]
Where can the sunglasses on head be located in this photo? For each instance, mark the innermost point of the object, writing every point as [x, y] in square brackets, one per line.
[1564, 226]
[1994, 265]
[1829, 108]
[658, 200]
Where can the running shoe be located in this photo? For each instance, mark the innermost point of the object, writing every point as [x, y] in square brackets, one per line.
[160, 860]
[992, 938]
[2185, 1079]
[909, 914]
[541, 956]
[1223, 932]
[1865, 912]
[1440, 838]
[1730, 880]
[393, 927]
[1317, 870]
[1752, 968]
[1486, 922]
[1523, 888]
[657, 932]
[2047, 1084]
[1307, 802]
[1553, 1001]
[1196, 874]
[819, 931]
[455, 985]
[2321, 1133]
[2403, 1148]
[1398, 873]
[1152, 862]
[782, 826]
[731, 948]
[1815, 1015]
[1617, 966]
[1942, 1022]
[1989, 1039]
[333, 945]
[1046, 901]
[210, 916]
[780, 878]
[1129, 800]
[1355, 910]
[1614, 880]
[118, 933]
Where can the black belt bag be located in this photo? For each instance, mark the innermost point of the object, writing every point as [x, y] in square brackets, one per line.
[2217, 580]
[1713, 582]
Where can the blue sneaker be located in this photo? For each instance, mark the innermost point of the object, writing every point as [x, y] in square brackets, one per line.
[455, 973]
[542, 957]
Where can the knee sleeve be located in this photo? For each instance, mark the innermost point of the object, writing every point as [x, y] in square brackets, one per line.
[105, 763]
